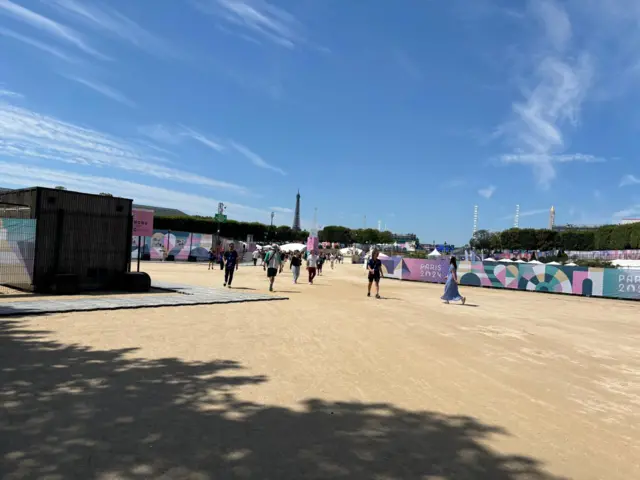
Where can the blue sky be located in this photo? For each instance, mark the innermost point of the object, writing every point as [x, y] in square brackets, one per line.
[409, 112]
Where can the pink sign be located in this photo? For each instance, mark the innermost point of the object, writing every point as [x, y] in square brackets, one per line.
[312, 244]
[142, 223]
[432, 271]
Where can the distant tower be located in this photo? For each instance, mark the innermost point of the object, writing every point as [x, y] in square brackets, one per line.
[475, 219]
[379, 225]
[552, 218]
[296, 215]
[516, 220]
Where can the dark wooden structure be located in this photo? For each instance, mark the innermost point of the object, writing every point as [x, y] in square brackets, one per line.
[83, 241]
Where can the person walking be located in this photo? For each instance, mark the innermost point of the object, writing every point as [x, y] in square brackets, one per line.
[212, 258]
[283, 260]
[231, 264]
[312, 265]
[320, 263]
[451, 293]
[296, 263]
[273, 259]
[332, 260]
[255, 256]
[375, 273]
[220, 254]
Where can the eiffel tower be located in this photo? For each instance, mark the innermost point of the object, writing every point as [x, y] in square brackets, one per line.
[296, 216]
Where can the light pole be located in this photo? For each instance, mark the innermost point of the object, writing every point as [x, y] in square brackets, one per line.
[273, 214]
[221, 208]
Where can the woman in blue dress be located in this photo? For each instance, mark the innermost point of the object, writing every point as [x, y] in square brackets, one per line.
[451, 293]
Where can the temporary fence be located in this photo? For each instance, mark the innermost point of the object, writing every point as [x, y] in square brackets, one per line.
[587, 281]
[17, 251]
[181, 246]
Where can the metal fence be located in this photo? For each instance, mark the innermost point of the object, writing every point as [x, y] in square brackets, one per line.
[17, 247]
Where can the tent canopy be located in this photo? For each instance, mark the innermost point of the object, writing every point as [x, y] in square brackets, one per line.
[292, 247]
[435, 253]
[490, 259]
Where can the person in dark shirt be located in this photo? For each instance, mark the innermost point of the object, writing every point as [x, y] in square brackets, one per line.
[212, 258]
[296, 263]
[375, 272]
[231, 264]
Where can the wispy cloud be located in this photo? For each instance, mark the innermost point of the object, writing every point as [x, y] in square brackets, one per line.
[256, 159]
[9, 93]
[36, 44]
[199, 137]
[30, 136]
[114, 23]
[629, 180]
[49, 26]
[256, 17]
[103, 89]
[526, 213]
[17, 175]
[631, 211]
[281, 209]
[177, 135]
[487, 192]
[562, 80]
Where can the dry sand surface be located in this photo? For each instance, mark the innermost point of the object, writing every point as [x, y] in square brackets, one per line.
[329, 384]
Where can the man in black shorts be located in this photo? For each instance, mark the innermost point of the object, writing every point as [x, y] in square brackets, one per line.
[231, 264]
[273, 260]
[375, 272]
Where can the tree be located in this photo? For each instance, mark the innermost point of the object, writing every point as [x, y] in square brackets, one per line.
[60, 187]
[387, 237]
[335, 234]
[481, 240]
[496, 243]
[106, 195]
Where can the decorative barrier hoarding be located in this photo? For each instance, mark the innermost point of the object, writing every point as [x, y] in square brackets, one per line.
[588, 281]
[181, 245]
[17, 252]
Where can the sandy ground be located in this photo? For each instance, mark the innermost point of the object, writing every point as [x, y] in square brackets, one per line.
[329, 384]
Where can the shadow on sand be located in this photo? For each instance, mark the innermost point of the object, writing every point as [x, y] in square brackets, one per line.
[71, 412]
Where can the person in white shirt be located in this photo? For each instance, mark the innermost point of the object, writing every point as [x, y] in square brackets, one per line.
[312, 266]
[272, 260]
[256, 256]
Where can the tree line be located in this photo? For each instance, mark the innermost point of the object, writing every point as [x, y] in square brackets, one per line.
[607, 237]
[266, 233]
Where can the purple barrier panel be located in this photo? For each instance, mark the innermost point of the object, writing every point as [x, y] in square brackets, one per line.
[392, 267]
[421, 270]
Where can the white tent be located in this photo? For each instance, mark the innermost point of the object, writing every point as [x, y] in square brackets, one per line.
[292, 247]
[435, 253]
[489, 259]
[350, 251]
[570, 264]
[506, 260]
[553, 263]
[519, 261]
[535, 262]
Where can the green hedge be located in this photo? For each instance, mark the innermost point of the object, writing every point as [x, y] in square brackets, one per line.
[262, 232]
[607, 237]
[230, 228]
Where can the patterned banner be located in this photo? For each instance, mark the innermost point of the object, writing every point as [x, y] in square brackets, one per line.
[17, 252]
[598, 282]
